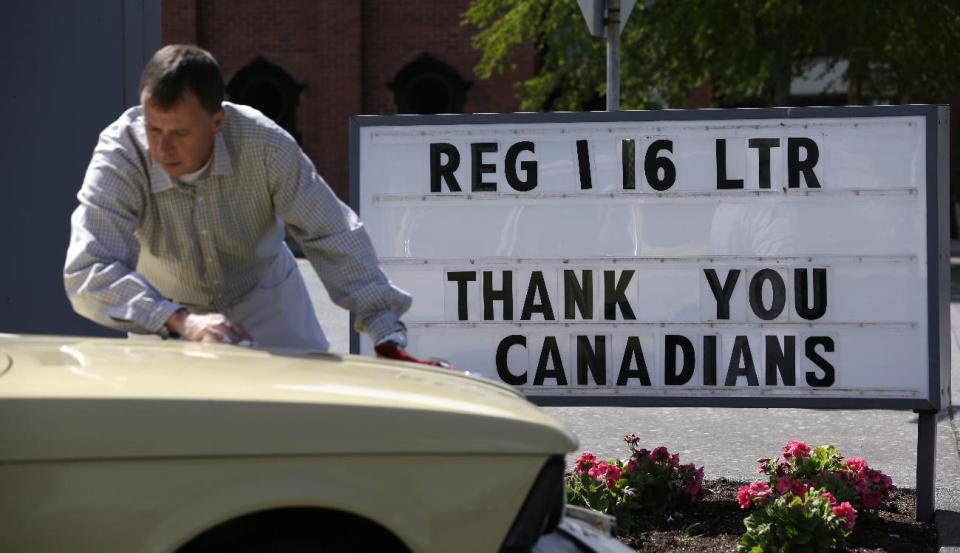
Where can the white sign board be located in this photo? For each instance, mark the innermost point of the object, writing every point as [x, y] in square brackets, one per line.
[745, 258]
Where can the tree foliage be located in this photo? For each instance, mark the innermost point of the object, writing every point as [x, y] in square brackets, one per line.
[746, 51]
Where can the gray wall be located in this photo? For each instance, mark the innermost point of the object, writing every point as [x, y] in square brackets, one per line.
[67, 69]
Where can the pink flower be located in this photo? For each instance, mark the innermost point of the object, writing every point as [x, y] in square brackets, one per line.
[599, 471]
[613, 475]
[755, 492]
[584, 462]
[830, 498]
[631, 466]
[785, 484]
[605, 472]
[694, 490]
[846, 511]
[856, 465]
[796, 449]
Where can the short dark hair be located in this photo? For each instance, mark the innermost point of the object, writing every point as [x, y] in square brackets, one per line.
[178, 67]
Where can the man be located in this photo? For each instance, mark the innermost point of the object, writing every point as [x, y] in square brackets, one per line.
[181, 223]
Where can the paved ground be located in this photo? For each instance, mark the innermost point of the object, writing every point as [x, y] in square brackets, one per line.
[727, 442]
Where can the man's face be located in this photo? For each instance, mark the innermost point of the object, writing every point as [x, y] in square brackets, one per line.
[181, 138]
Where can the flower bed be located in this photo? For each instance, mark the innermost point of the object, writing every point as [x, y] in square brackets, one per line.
[811, 497]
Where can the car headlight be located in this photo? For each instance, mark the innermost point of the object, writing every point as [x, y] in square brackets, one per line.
[542, 509]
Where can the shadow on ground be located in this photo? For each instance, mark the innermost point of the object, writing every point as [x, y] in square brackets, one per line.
[948, 528]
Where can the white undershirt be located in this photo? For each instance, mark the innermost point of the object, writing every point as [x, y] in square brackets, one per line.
[191, 178]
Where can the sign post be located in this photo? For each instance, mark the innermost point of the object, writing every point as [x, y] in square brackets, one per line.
[785, 257]
[607, 18]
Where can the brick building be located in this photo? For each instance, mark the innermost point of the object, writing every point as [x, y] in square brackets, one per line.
[311, 64]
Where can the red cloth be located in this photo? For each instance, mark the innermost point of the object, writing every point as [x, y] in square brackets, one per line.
[392, 350]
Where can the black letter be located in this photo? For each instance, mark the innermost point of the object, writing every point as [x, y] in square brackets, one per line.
[801, 300]
[810, 345]
[633, 352]
[616, 295]
[505, 295]
[723, 183]
[652, 165]
[502, 369]
[574, 294]
[583, 158]
[629, 160]
[756, 294]
[795, 166]
[537, 286]
[445, 171]
[722, 293]
[741, 350]
[671, 377]
[780, 359]
[763, 146]
[550, 349]
[461, 278]
[529, 168]
[592, 358]
[709, 360]
[480, 168]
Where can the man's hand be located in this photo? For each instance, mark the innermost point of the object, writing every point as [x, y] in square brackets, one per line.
[393, 350]
[211, 326]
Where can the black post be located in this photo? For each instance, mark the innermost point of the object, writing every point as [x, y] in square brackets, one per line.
[926, 463]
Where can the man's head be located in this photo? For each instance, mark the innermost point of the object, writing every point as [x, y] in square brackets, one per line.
[181, 90]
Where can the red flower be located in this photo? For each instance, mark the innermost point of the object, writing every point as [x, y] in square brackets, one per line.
[755, 492]
[856, 465]
[584, 462]
[796, 449]
[785, 484]
[660, 454]
[605, 472]
[846, 511]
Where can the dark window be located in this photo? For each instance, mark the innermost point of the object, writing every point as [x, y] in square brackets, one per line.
[427, 85]
[270, 89]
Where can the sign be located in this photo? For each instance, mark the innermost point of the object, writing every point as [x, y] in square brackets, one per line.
[594, 12]
[788, 257]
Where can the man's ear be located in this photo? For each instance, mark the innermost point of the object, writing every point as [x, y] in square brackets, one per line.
[217, 121]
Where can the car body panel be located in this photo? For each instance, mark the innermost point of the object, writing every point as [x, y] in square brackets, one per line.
[92, 398]
[140, 446]
[155, 506]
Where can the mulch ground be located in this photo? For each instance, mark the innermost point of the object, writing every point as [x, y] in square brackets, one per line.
[715, 526]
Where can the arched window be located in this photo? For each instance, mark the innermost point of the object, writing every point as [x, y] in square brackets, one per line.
[269, 88]
[427, 85]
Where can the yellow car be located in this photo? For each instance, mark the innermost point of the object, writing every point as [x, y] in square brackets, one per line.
[133, 446]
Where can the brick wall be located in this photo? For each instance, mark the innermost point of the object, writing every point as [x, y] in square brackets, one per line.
[344, 52]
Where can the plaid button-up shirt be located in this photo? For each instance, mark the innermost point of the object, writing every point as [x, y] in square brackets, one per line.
[143, 245]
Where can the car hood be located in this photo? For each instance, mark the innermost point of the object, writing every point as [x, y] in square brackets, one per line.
[82, 398]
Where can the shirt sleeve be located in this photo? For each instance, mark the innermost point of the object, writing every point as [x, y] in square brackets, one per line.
[98, 273]
[335, 242]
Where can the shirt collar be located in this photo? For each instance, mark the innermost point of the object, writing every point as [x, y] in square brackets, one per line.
[221, 157]
[221, 165]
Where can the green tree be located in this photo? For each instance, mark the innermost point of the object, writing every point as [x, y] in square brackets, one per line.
[745, 51]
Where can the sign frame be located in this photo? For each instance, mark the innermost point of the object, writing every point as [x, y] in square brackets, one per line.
[936, 118]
